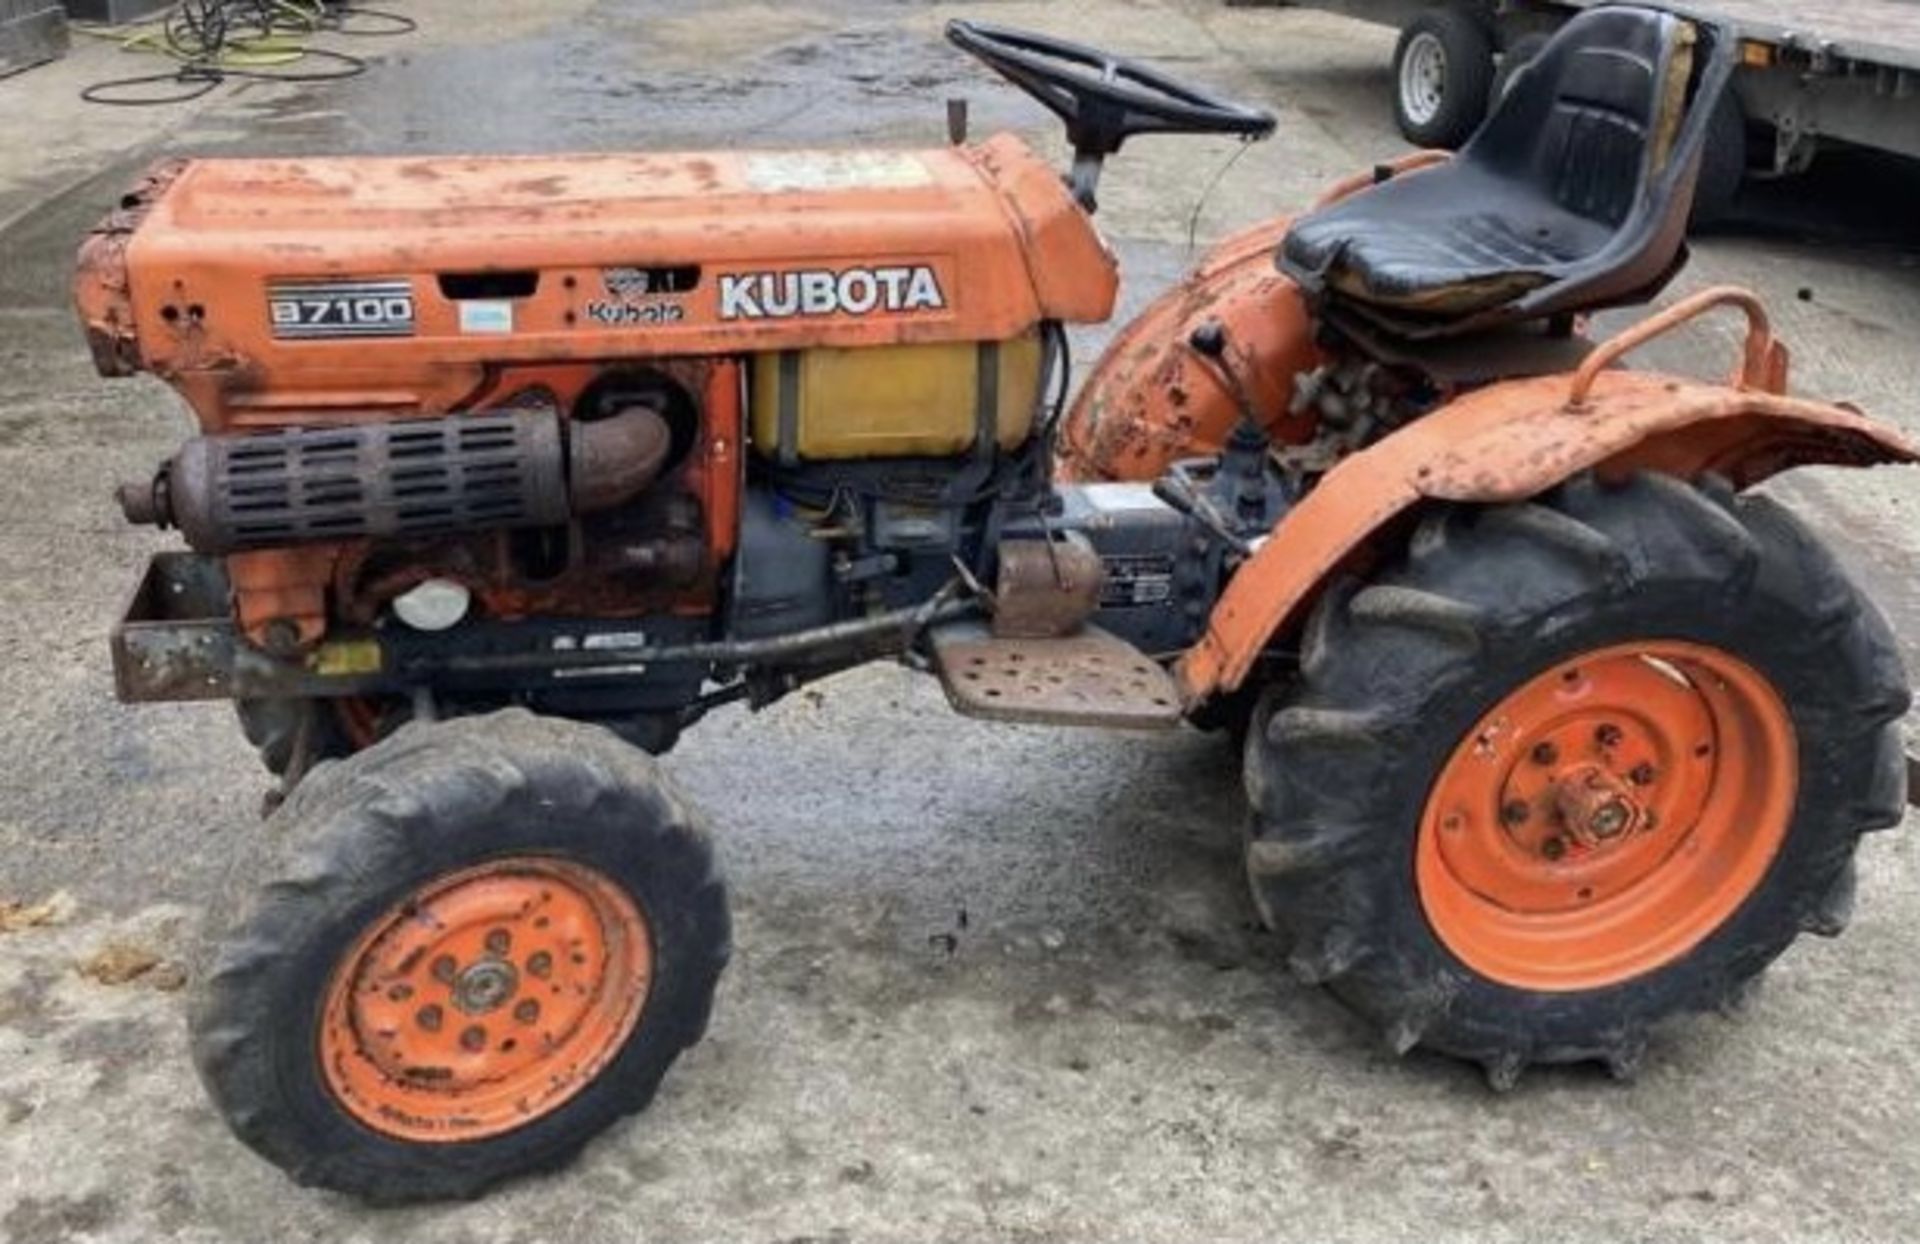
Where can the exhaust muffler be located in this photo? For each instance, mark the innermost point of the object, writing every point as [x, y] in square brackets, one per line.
[399, 478]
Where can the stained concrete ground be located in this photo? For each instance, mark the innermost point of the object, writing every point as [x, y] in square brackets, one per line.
[990, 982]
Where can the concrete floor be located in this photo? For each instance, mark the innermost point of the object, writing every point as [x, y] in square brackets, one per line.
[990, 982]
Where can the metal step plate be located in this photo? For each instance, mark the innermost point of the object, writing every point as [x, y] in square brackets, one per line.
[1089, 678]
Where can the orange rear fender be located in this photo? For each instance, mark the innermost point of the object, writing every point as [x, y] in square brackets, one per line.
[1515, 440]
[1151, 400]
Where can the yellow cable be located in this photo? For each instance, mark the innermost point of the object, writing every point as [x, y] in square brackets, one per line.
[148, 36]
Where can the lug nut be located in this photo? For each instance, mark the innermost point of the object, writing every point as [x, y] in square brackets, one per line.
[428, 1017]
[526, 1011]
[1544, 753]
[473, 1038]
[1641, 774]
[499, 941]
[1515, 812]
[1554, 848]
[1608, 735]
[540, 964]
[444, 969]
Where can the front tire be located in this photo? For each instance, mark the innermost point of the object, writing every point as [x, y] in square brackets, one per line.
[1571, 767]
[480, 942]
[291, 734]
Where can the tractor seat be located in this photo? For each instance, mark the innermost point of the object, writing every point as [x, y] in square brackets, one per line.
[1574, 195]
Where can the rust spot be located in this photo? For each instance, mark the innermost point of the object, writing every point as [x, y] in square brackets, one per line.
[542, 187]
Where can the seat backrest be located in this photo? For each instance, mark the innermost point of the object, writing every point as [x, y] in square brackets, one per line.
[1582, 120]
[1611, 120]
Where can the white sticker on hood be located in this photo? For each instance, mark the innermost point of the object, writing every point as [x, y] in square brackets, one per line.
[775, 171]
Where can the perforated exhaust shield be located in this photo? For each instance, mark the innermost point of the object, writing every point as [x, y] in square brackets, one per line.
[400, 478]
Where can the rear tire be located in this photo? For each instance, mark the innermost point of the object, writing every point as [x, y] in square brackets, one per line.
[309, 1024]
[1443, 74]
[1402, 676]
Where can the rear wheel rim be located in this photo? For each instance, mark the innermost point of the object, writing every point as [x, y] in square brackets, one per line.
[1608, 815]
[485, 1000]
[1423, 78]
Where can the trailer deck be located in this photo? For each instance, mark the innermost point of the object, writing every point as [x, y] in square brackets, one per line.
[1885, 32]
[1846, 72]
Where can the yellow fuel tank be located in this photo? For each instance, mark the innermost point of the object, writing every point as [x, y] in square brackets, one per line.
[896, 401]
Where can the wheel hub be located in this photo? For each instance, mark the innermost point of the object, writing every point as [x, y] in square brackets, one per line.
[1607, 815]
[484, 986]
[1423, 77]
[1593, 806]
[485, 1000]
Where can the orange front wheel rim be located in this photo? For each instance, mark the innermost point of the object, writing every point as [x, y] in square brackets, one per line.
[1608, 815]
[485, 999]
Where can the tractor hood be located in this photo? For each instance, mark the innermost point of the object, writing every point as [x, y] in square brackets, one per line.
[224, 274]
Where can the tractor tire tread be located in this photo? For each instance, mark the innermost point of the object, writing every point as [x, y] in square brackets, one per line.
[1331, 835]
[363, 826]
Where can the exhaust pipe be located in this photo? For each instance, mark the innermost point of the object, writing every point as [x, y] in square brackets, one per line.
[399, 478]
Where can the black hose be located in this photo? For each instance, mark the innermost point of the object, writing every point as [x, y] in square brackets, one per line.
[901, 624]
[204, 36]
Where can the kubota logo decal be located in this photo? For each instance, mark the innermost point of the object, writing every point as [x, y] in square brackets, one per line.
[851, 291]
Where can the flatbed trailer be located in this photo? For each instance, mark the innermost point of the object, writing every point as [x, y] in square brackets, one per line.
[1846, 71]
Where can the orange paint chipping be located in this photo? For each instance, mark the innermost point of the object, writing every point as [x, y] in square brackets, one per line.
[1509, 442]
[485, 1000]
[176, 281]
[1607, 816]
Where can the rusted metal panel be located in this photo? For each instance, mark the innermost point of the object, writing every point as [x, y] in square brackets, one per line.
[177, 641]
[1152, 400]
[1046, 587]
[1089, 678]
[102, 288]
[743, 251]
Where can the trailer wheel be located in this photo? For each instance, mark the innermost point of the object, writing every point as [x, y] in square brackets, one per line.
[1723, 165]
[479, 943]
[1443, 75]
[1571, 767]
[1518, 55]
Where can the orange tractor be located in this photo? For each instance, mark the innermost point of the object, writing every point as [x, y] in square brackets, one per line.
[508, 469]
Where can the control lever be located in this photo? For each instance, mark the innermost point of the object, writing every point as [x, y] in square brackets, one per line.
[1177, 490]
[1209, 341]
[1244, 457]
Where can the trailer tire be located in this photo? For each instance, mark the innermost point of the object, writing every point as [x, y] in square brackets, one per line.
[1723, 165]
[1394, 840]
[512, 832]
[1443, 76]
[1517, 56]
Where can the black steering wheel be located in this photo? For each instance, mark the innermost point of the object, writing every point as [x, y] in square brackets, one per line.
[1103, 99]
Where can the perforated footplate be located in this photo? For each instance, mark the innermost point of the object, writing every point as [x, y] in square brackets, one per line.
[1087, 679]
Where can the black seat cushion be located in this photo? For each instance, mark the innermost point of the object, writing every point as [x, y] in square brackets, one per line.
[1477, 245]
[1574, 192]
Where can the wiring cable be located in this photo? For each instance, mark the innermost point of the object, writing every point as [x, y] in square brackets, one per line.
[212, 42]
